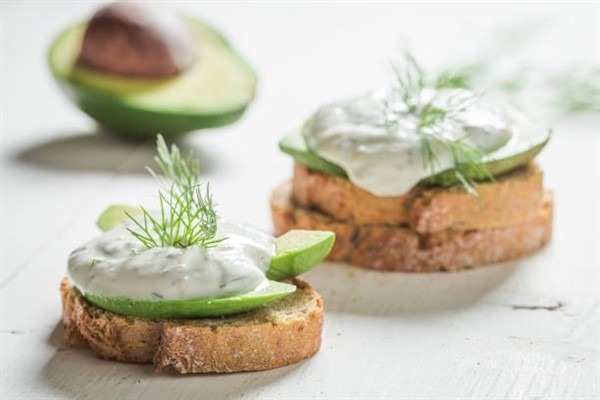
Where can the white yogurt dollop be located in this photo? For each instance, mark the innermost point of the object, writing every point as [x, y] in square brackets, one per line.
[116, 264]
[389, 161]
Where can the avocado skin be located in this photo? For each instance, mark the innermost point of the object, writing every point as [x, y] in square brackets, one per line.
[118, 117]
[295, 145]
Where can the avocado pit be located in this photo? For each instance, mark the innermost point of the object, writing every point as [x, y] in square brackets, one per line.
[135, 40]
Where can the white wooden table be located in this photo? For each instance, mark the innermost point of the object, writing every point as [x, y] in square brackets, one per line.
[526, 329]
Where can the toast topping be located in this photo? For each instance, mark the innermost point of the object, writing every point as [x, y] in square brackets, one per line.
[117, 264]
[388, 149]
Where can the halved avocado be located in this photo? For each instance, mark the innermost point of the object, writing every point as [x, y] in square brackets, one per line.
[194, 308]
[214, 91]
[498, 162]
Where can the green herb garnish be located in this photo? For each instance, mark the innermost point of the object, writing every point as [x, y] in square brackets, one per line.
[504, 67]
[186, 215]
[434, 121]
[459, 77]
[577, 91]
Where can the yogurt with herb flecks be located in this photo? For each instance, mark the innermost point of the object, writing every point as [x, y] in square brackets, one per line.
[116, 264]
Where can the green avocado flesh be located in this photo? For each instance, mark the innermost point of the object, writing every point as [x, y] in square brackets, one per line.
[193, 308]
[214, 91]
[295, 145]
[115, 215]
[296, 252]
[497, 164]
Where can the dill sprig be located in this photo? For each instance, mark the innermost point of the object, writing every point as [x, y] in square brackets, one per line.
[466, 158]
[576, 90]
[186, 215]
[410, 82]
[435, 120]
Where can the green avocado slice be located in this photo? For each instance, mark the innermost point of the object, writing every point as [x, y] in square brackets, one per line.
[115, 215]
[298, 251]
[295, 145]
[214, 91]
[498, 162]
[194, 308]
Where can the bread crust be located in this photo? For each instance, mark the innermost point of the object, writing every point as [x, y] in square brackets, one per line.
[513, 198]
[397, 248]
[281, 333]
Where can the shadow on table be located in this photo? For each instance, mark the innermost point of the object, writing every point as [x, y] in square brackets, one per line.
[76, 373]
[101, 152]
[352, 290]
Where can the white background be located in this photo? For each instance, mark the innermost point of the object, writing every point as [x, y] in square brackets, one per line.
[461, 335]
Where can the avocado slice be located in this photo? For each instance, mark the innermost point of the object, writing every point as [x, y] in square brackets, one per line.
[295, 145]
[115, 215]
[298, 251]
[214, 91]
[498, 162]
[194, 308]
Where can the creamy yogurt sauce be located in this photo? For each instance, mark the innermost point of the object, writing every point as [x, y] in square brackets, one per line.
[116, 264]
[388, 161]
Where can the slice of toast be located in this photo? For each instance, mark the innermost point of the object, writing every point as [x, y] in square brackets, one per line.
[281, 333]
[513, 198]
[397, 248]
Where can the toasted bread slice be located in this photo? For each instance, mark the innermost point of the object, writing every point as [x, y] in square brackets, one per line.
[397, 248]
[513, 198]
[281, 333]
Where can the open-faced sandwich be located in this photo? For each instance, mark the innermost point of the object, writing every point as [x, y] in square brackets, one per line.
[180, 287]
[422, 177]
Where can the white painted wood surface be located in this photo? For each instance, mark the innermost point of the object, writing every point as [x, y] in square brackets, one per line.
[526, 329]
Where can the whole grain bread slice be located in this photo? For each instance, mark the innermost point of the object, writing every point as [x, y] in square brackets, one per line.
[278, 334]
[398, 248]
[513, 198]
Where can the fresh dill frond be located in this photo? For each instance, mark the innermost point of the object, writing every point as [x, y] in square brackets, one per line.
[466, 158]
[576, 91]
[459, 77]
[409, 82]
[436, 121]
[181, 172]
[186, 215]
[503, 67]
